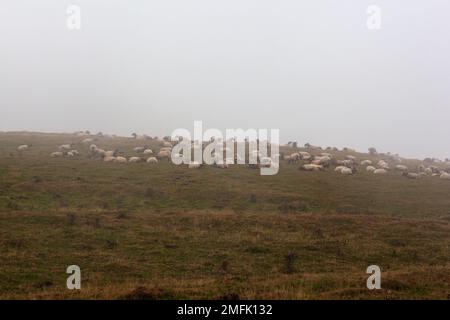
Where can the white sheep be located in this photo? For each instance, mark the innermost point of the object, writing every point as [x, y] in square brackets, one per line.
[412, 175]
[75, 152]
[311, 167]
[152, 160]
[121, 160]
[346, 171]
[139, 149]
[57, 154]
[65, 147]
[339, 168]
[134, 159]
[23, 147]
[445, 176]
[366, 163]
[148, 151]
[380, 171]
[370, 168]
[109, 159]
[401, 168]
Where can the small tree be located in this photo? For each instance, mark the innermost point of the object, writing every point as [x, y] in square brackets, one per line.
[373, 151]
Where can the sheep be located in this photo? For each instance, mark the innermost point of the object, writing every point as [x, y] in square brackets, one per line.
[139, 149]
[70, 154]
[152, 160]
[166, 149]
[110, 153]
[366, 163]
[311, 167]
[326, 154]
[428, 171]
[401, 168]
[93, 148]
[57, 154]
[294, 157]
[370, 168]
[65, 147]
[87, 141]
[325, 161]
[411, 175]
[349, 157]
[380, 171]
[305, 155]
[74, 152]
[445, 176]
[134, 159]
[109, 159]
[163, 154]
[121, 160]
[221, 165]
[339, 168]
[167, 144]
[346, 163]
[194, 165]
[346, 171]
[23, 147]
[147, 151]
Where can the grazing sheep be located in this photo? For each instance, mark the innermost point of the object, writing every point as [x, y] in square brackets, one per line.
[428, 171]
[366, 163]
[163, 154]
[134, 159]
[294, 157]
[401, 168]
[87, 141]
[346, 163]
[325, 161]
[221, 165]
[93, 148]
[65, 147]
[152, 160]
[121, 160]
[305, 155]
[346, 171]
[23, 147]
[411, 175]
[110, 153]
[339, 168]
[75, 152]
[380, 171]
[349, 157]
[57, 154]
[109, 159]
[326, 154]
[165, 149]
[311, 167]
[370, 168]
[70, 154]
[147, 151]
[445, 176]
[139, 149]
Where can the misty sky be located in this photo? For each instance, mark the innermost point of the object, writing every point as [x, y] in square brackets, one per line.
[310, 68]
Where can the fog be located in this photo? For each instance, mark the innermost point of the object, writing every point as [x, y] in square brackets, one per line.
[310, 68]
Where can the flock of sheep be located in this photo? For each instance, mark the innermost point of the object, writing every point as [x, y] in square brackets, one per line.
[320, 161]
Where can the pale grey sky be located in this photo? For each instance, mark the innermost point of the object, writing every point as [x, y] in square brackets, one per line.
[310, 68]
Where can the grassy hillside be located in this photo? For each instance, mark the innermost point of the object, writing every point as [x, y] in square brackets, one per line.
[164, 231]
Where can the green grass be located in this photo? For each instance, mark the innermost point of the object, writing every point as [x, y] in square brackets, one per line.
[165, 231]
